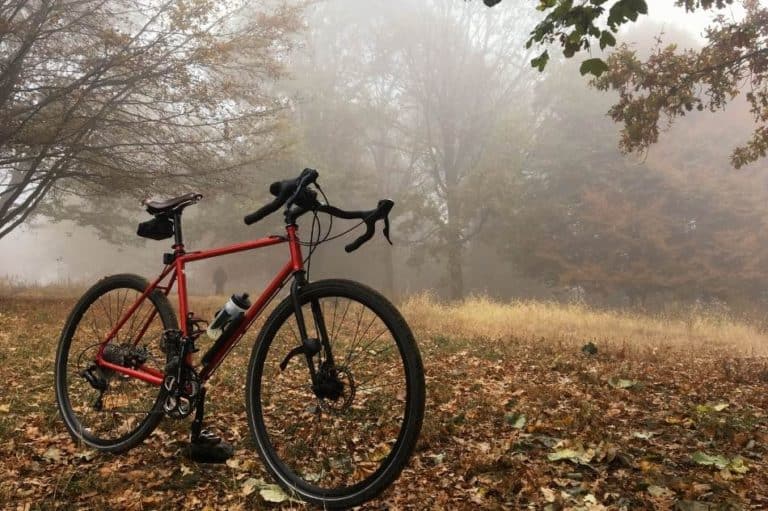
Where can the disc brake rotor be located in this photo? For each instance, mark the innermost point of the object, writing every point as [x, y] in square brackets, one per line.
[336, 389]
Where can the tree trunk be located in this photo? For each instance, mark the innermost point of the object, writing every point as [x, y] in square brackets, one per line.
[389, 274]
[453, 250]
[455, 271]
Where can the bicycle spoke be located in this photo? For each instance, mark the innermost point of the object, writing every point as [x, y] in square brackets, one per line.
[133, 323]
[126, 399]
[371, 354]
[363, 350]
[333, 326]
[363, 385]
[343, 441]
[121, 306]
[352, 348]
[343, 317]
[107, 315]
[147, 318]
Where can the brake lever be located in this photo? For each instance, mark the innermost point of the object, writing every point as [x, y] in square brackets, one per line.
[381, 212]
[308, 176]
[293, 196]
[386, 228]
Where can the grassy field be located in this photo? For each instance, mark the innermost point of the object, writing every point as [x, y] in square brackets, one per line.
[670, 413]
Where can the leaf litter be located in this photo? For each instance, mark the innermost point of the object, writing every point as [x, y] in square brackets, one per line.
[511, 423]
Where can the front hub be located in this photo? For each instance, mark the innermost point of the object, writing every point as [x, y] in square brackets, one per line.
[335, 388]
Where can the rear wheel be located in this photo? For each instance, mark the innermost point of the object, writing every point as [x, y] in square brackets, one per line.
[128, 409]
[343, 442]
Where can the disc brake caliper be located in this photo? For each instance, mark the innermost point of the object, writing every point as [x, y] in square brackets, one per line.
[309, 346]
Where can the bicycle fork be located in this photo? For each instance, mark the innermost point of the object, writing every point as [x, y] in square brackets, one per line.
[310, 346]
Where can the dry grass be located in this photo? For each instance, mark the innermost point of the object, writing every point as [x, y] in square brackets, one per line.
[480, 318]
[18, 288]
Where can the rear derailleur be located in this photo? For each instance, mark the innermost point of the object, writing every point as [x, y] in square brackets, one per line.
[126, 355]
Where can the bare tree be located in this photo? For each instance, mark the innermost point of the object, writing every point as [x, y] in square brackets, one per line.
[349, 113]
[111, 97]
[412, 94]
[464, 70]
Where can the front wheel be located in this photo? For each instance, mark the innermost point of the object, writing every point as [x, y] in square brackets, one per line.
[343, 441]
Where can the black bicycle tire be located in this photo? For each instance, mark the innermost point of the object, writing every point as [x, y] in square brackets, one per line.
[145, 428]
[406, 442]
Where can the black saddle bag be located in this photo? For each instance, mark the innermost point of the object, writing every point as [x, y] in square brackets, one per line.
[159, 228]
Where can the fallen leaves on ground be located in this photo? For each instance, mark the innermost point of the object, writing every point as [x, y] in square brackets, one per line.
[511, 423]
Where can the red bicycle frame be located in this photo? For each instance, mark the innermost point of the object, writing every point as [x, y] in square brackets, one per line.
[176, 272]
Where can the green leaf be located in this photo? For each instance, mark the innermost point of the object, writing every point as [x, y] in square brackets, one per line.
[593, 66]
[250, 485]
[620, 383]
[540, 62]
[660, 491]
[546, 4]
[640, 6]
[52, 454]
[273, 493]
[694, 505]
[716, 460]
[607, 39]
[517, 420]
[579, 456]
[737, 465]
[563, 454]
[708, 408]
[438, 458]
[625, 10]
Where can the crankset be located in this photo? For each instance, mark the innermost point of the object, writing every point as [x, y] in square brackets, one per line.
[182, 383]
[182, 394]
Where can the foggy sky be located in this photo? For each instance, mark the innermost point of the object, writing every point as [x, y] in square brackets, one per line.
[47, 252]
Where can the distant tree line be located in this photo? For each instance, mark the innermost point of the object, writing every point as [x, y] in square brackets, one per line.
[499, 172]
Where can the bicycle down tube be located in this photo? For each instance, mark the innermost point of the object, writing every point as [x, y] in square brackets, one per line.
[176, 271]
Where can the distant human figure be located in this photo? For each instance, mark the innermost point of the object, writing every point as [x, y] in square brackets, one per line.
[219, 279]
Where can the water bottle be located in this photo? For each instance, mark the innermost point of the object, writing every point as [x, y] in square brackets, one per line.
[233, 310]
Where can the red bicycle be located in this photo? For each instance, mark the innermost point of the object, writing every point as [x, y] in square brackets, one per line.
[335, 384]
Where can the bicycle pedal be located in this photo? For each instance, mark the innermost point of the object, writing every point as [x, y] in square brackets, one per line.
[207, 438]
[209, 453]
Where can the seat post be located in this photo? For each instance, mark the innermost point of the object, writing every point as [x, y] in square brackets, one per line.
[177, 235]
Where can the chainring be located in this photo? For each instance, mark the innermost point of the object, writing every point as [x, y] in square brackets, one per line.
[182, 395]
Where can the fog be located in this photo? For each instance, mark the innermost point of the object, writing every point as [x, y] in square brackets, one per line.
[524, 193]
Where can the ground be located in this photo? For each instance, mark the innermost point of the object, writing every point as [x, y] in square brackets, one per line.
[669, 413]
